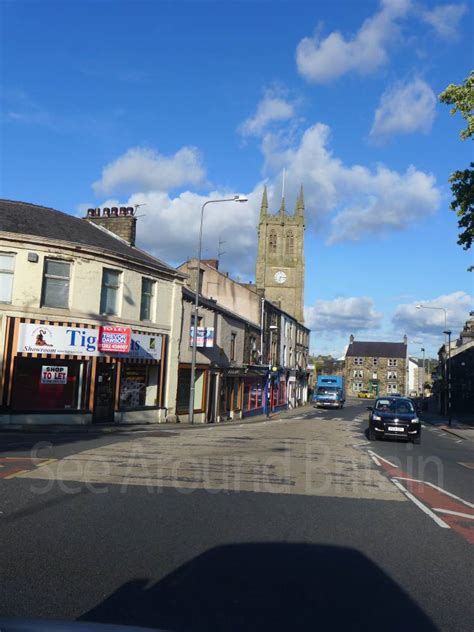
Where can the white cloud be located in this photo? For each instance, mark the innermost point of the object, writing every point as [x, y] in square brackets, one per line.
[146, 170]
[445, 19]
[360, 201]
[322, 59]
[343, 315]
[405, 108]
[430, 322]
[270, 109]
[168, 227]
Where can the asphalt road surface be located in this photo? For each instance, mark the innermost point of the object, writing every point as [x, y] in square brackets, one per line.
[289, 524]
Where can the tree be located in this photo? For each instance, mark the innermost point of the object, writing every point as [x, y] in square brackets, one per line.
[462, 182]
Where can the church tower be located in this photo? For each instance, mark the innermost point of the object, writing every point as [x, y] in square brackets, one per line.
[280, 258]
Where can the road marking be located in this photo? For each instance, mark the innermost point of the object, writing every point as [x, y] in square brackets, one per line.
[470, 466]
[382, 459]
[420, 505]
[454, 513]
[14, 473]
[440, 489]
[375, 460]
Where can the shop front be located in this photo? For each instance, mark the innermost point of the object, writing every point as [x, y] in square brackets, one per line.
[277, 389]
[254, 392]
[80, 373]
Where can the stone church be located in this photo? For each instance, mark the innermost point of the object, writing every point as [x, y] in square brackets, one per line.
[280, 258]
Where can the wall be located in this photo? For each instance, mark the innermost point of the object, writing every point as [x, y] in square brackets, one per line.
[227, 292]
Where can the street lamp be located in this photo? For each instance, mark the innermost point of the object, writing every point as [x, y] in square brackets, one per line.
[269, 397]
[235, 198]
[436, 308]
[448, 374]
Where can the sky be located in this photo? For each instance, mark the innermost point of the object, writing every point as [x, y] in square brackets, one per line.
[168, 104]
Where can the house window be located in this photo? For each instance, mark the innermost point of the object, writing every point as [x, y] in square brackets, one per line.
[110, 292]
[392, 362]
[6, 277]
[392, 375]
[357, 386]
[358, 361]
[375, 361]
[290, 243]
[233, 338]
[56, 283]
[358, 373]
[272, 242]
[391, 388]
[147, 298]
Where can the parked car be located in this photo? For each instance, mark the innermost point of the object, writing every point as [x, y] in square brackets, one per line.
[364, 394]
[394, 417]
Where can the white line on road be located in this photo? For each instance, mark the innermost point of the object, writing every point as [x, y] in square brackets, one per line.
[420, 505]
[375, 460]
[381, 458]
[440, 489]
[454, 513]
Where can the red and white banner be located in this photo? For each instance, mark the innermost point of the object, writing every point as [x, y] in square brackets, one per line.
[114, 339]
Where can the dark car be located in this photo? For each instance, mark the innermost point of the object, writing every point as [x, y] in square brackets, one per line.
[394, 417]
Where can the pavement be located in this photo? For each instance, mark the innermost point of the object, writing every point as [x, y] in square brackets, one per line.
[294, 523]
[457, 428]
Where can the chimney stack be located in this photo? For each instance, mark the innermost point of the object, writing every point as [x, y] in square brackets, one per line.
[122, 222]
[212, 263]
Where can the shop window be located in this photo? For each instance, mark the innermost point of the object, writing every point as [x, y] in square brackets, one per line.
[139, 386]
[184, 383]
[56, 283]
[253, 394]
[148, 287]
[7, 263]
[110, 292]
[44, 385]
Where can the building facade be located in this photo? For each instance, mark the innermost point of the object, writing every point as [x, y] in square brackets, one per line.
[381, 368]
[89, 324]
[280, 257]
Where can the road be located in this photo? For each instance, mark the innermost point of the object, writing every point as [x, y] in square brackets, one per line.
[296, 523]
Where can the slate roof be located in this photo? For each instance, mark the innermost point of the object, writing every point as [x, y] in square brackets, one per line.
[360, 349]
[24, 218]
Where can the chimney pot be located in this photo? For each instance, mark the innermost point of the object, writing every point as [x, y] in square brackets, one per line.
[105, 212]
[129, 210]
[114, 211]
[123, 210]
[90, 212]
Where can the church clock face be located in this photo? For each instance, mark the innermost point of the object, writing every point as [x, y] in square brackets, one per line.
[280, 277]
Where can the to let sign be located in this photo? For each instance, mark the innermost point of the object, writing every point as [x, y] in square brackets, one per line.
[114, 339]
[54, 375]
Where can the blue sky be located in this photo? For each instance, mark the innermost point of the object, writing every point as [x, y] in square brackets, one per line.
[168, 103]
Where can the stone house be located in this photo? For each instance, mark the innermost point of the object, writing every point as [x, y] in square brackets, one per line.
[381, 368]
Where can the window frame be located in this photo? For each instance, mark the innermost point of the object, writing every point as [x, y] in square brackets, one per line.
[56, 277]
[358, 361]
[272, 242]
[4, 271]
[290, 243]
[358, 374]
[233, 346]
[117, 295]
[392, 362]
[151, 296]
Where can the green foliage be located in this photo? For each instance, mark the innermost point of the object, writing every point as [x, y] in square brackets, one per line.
[462, 182]
[462, 97]
[462, 186]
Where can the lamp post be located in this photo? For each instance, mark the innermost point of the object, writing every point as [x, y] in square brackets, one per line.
[272, 328]
[424, 373]
[235, 198]
[448, 374]
[437, 308]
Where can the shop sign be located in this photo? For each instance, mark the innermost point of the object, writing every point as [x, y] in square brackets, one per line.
[54, 375]
[56, 339]
[114, 339]
[205, 337]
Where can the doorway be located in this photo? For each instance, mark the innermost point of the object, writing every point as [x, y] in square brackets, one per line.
[104, 399]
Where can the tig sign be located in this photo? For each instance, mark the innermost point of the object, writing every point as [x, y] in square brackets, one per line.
[54, 375]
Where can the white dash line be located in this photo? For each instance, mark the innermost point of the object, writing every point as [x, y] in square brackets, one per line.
[382, 459]
[454, 513]
[420, 505]
[440, 489]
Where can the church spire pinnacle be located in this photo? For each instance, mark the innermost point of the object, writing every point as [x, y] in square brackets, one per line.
[299, 212]
[264, 205]
[282, 207]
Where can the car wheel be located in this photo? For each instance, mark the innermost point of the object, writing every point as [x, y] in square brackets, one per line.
[372, 435]
[417, 440]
